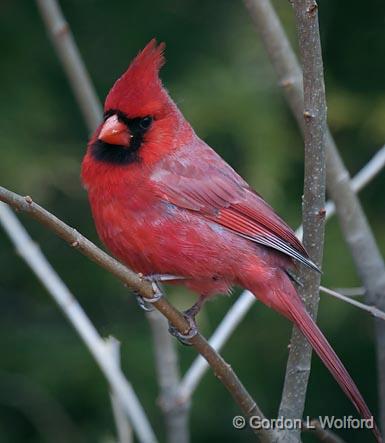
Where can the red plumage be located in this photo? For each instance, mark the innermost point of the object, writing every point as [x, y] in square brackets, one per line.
[166, 203]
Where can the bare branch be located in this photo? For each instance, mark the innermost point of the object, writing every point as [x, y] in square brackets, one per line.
[72, 62]
[352, 292]
[175, 412]
[371, 309]
[358, 182]
[314, 115]
[221, 369]
[123, 426]
[356, 230]
[228, 324]
[32, 255]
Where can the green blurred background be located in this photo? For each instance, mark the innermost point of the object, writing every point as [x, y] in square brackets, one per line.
[220, 77]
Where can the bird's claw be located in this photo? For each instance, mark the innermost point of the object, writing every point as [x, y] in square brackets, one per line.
[185, 338]
[189, 315]
[145, 303]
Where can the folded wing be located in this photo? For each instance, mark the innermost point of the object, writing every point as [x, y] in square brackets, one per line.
[212, 188]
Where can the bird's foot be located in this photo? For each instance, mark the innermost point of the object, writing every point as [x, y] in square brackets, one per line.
[189, 315]
[184, 338]
[144, 302]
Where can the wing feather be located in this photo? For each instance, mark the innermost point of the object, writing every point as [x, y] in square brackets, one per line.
[211, 187]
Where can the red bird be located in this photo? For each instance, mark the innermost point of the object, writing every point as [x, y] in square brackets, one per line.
[165, 203]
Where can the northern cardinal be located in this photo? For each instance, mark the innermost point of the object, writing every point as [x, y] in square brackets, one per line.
[165, 203]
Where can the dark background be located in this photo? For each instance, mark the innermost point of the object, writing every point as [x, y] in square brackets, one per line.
[220, 77]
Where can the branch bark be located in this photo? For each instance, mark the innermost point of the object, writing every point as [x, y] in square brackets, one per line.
[72, 62]
[357, 233]
[175, 412]
[123, 426]
[35, 259]
[228, 324]
[221, 369]
[314, 116]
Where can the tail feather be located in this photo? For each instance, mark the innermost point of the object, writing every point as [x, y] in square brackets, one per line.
[298, 314]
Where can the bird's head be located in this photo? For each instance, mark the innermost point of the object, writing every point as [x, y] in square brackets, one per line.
[141, 122]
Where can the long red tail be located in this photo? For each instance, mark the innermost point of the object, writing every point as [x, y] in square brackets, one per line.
[296, 311]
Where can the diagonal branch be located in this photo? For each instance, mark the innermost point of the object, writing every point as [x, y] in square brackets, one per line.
[354, 225]
[123, 426]
[221, 369]
[371, 309]
[69, 55]
[35, 259]
[358, 182]
[228, 324]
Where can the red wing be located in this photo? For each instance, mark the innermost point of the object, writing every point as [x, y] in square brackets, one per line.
[211, 187]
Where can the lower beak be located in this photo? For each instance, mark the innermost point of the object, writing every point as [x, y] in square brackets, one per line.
[115, 132]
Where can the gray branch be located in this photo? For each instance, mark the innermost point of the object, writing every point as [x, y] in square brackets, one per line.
[175, 412]
[314, 116]
[72, 62]
[355, 227]
[35, 259]
[123, 426]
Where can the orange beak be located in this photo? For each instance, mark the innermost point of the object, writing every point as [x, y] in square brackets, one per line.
[115, 132]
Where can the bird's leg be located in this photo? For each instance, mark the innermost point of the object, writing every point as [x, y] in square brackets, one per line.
[189, 315]
[154, 279]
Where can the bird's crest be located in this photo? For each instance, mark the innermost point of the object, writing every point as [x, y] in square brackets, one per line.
[139, 90]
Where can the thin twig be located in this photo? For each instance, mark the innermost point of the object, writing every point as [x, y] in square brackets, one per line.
[32, 255]
[221, 369]
[175, 412]
[371, 309]
[314, 115]
[72, 62]
[355, 227]
[358, 182]
[123, 427]
[351, 292]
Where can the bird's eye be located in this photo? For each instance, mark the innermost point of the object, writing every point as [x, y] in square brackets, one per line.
[145, 122]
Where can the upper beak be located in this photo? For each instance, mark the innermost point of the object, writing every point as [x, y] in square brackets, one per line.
[115, 132]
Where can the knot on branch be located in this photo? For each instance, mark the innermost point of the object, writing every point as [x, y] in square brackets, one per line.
[322, 213]
[308, 115]
[312, 9]
[60, 29]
